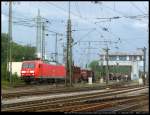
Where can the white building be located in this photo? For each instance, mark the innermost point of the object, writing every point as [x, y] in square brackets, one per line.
[16, 68]
[132, 59]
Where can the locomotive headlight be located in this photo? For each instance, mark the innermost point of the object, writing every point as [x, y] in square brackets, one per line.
[31, 71]
[23, 71]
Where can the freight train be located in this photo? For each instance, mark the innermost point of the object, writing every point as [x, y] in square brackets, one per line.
[39, 70]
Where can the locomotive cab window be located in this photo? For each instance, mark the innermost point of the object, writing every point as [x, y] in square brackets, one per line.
[25, 65]
[31, 65]
[28, 65]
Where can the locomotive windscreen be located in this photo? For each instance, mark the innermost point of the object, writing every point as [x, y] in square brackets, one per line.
[28, 65]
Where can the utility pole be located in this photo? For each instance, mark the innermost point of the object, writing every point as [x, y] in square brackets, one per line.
[107, 66]
[38, 36]
[144, 61]
[43, 40]
[56, 44]
[64, 54]
[56, 50]
[69, 51]
[88, 55]
[65, 61]
[10, 40]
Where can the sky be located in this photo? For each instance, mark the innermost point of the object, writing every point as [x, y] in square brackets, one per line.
[132, 32]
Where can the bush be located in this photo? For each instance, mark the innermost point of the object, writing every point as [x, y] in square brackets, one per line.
[4, 73]
[16, 80]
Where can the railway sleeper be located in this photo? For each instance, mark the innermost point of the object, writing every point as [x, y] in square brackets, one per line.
[43, 105]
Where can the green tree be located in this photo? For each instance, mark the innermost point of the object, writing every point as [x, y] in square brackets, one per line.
[99, 70]
[4, 45]
[19, 52]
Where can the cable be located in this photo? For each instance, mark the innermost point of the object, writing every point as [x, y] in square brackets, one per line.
[55, 32]
[136, 7]
[144, 6]
[124, 15]
[24, 25]
[77, 8]
[62, 9]
[85, 19]
[114, 6]
[84, 36]
[23, 19]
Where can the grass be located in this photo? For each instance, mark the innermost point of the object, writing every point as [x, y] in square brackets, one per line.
[5, 84]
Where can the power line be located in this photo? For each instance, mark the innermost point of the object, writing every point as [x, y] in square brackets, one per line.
[63, 9]
[145, 6]
[85, 19]
[24, 24]
[124, 15]
[84, 36]
[19, 18]
[55, 32]
[82, 17]
[137, 7]
[77, 8]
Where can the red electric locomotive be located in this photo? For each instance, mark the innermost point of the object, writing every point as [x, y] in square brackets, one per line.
[39, 70]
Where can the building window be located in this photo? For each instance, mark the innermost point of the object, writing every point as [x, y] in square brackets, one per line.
[134, 57]
[112, 58]
[130, 58]
[140, 58]
[122, 58]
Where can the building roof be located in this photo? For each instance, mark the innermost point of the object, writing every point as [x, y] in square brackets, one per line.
[125, 53]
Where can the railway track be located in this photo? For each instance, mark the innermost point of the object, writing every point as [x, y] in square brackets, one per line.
[131, 105]
[57, 103]
[63, 98]
[92, 107]
[57, 90]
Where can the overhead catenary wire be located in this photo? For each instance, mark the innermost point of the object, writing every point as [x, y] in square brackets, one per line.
[84, 36]
[78, 9]
[50, 3]
[132, 3]
[72, 13]
[123, 14]
[84, 18]
[19, 18]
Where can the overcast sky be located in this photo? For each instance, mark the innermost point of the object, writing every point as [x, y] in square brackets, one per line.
[132, 32]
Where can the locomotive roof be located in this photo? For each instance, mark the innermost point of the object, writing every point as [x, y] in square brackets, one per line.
[41, 61]
[33, 61]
